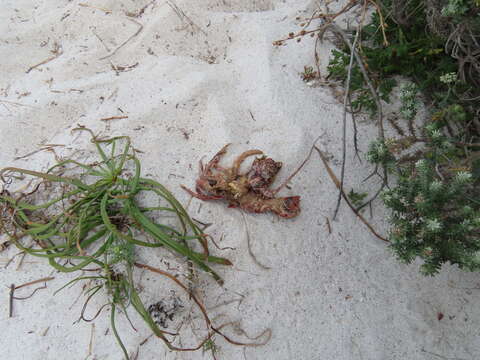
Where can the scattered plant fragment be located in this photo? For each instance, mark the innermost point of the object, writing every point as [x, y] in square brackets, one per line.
[308, 74]
[357, 198]
[164, 310]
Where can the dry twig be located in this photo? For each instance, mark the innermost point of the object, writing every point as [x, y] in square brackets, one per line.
[140, 28]
[57, 51]
[337, 184]
[249, 246]
[114, 118]
[344, 123]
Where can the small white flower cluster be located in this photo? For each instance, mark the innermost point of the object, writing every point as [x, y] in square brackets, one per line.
[436, 134]
[438, 137]
[430, 127]
[422, 166]
[463, 177]
[436, 186]
[377, 151]
[454, 7]
[448, 78]
[408, 94]
[391, 198]
[387, 197]
[433, 225]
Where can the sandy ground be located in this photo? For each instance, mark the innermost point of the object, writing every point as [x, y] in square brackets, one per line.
[197, 75]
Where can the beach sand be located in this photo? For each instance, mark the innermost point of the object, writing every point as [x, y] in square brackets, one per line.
[184, 78]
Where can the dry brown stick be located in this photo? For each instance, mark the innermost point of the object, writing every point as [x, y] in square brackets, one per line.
[296, 171]
[84, 308]
[140, 28]
[329, 18]
[115, 118]
[329, 227]
[382, 22]
[13, 258]
[381, 132]
[336, 29]
[101, 40]
[181, 14]
[90, 344]
[144, 341]
[10, 303]
[34, 282]
[44, 280]
[254, 258]
[20, 263]
[33, 293]
[5, 245]
[15, 103]
[140, 12]
[216, 245]
[57, 51]
[344, 123]
[335, 180]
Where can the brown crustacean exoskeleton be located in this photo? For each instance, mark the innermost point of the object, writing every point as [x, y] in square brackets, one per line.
[249, 191]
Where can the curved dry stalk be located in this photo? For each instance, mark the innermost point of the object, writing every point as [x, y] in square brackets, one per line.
[345, 197]
[203, 310]
[249, 247]
[344, 122]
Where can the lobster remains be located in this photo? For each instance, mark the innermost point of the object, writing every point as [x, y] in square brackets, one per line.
[249, 191]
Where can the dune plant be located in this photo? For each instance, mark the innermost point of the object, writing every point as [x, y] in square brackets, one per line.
[432, 156]
[435, 214]
[93, 220]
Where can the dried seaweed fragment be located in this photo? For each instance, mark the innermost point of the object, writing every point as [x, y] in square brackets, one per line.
[249, 191]
[164, 310]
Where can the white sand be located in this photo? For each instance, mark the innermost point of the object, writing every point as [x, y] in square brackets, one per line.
[340, 296]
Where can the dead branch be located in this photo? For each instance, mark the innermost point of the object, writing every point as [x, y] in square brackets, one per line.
[344, 123]
[337, 184]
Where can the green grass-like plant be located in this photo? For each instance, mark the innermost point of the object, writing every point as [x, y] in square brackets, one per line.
[94, 220]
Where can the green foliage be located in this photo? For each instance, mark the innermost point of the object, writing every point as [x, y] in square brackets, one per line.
[210, 346]
[433, 218]
[379, 154]
[357, 198]
[362, 98]
[412, 52]
[408, 99]
[455, 8]
[308, 73]
[435, 211]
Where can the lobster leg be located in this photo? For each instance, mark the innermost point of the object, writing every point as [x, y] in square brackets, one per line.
[240, 159]
[201, 196]
[213, 164]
